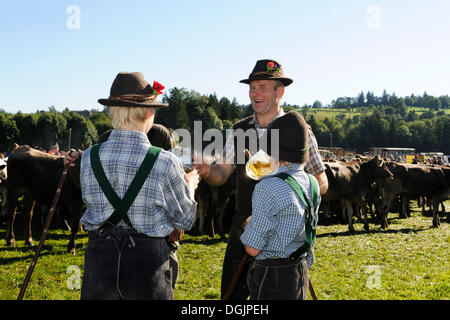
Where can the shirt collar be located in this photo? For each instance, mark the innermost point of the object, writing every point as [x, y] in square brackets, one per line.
[256, 123]
[291, 168]
[129, 136]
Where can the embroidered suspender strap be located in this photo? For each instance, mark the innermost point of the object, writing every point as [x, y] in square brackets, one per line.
[310, 211]
[122, 206]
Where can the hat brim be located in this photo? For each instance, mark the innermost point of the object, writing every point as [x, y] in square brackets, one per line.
[285, 81]
[127, 103]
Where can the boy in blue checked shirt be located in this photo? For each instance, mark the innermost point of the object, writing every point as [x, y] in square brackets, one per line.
[276, 232]
[136, 195]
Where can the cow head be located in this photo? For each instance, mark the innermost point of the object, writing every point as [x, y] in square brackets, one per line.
[381, 171]
[386, 173]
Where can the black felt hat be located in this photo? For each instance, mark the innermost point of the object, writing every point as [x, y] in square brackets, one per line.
[268, 70]
[130, 89]
[293, 138]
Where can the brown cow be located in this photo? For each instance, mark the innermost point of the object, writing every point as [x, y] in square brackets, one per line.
[203, 198]
[213, 203]
[221, 197]
[414, 180]
[3, 178]
[36, 175]
[349, 182]
[422, 201]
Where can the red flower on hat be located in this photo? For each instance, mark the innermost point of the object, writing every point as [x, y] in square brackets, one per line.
[272, 67]
[157, 88]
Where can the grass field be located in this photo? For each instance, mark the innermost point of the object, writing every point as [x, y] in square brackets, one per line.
[409, 260]
[322, 113]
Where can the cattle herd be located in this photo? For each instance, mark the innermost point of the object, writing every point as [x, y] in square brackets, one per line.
[356, 188]
[33, 176]
[361, 185]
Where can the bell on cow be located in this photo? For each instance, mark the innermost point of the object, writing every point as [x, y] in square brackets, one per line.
[260, 165]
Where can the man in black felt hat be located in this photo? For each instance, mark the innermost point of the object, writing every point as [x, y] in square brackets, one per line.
[267, 85]
[136, 195]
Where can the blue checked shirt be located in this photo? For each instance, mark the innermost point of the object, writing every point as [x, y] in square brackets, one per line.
[277, 226]
[162, 204]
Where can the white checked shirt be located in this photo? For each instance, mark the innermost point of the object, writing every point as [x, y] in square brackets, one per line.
[162, 204]
[277, 226]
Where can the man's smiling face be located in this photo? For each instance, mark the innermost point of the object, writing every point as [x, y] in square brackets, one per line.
[265, 96]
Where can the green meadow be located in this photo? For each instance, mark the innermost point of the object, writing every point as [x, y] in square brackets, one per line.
[409, 260]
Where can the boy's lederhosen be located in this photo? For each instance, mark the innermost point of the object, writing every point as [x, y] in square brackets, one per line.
[278, 279]
[121, 263]
[286, 278]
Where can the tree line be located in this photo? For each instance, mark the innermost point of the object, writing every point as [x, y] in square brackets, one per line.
[370, 100]
[366, 121]
[384, 130]
[43, 129]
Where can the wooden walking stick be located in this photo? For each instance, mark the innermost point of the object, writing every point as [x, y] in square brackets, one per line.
[236, 277]
[311, 289]
[44, 233]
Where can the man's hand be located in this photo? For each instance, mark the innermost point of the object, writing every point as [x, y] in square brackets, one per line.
[71, 156]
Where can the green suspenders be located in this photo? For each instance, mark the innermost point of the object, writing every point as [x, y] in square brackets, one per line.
[310, 211]
[121, 206]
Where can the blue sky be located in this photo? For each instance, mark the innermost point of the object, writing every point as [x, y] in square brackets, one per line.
[330, 48]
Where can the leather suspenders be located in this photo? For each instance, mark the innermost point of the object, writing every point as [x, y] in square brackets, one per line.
[122, 206]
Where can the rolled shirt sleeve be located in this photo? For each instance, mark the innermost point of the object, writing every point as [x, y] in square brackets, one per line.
[180, 206]
[315, 164]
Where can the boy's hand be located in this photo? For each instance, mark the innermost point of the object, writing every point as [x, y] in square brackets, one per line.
[192, 179]
[176, 235]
